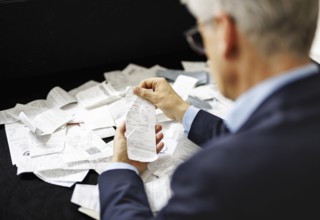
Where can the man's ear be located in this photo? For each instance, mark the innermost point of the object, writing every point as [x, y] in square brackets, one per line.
[228, 35]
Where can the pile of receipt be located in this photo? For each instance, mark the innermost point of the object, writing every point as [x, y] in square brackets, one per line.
[60, 138]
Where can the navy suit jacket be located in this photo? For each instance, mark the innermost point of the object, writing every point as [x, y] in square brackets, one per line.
[269, 169]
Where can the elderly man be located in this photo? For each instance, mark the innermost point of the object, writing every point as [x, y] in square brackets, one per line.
[263, 160]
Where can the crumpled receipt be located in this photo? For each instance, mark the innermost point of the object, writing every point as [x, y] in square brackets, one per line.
[140, 128]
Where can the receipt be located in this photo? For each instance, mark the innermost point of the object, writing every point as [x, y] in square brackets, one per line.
[140, 128]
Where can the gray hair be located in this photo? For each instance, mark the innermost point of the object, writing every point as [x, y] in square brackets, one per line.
[272, 26]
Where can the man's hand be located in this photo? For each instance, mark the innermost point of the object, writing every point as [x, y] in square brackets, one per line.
[163, 96]
[120, 147]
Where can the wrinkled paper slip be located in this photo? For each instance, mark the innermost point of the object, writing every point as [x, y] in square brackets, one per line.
[140, 128]
[86, 196]
[183, 86]
[98, 95]
[158, 193]
[46, 122]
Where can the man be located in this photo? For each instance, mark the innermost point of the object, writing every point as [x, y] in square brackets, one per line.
[263, 160]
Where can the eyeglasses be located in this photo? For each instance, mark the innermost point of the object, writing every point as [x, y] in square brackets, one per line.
[195, 40]
[194, 37]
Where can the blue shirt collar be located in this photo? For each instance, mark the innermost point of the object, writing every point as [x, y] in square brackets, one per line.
[248, 102]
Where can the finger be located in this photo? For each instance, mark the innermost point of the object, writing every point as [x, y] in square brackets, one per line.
[150, 83]
[159, 137]
[145, 93]
[121, 129]
[137, 91]
[160, 147]
[158, 128]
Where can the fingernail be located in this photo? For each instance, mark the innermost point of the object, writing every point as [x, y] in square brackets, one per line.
[136, 90]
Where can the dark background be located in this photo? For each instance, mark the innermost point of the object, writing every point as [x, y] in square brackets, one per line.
[47, 43]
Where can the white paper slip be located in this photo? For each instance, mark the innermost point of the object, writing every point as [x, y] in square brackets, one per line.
[117, 80]
[164, 166]
[29, 110]
[24, 166]
[86, 196]
[99, 117]
[47, 162]
[82, 145]
[194, 66]
[142, 75]
[46, 122]
[91, 213]
[104, 132]
[118, 111]
[6, 118]
[183, 86]
[100, 165]
[185, 149]
[132, 69]
[17, 136]
[169, 145]
[62, 177]
[218, 108]
[48, 144]
[98, 95]
[38, 103]
[76, 111]
[57, 98]
[132, 75]
[205, 92]
[158, 192]
[173, 130]
[83, 87]
[58, 183]
[140, 128]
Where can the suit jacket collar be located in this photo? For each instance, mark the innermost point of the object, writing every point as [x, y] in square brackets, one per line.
[249, 102]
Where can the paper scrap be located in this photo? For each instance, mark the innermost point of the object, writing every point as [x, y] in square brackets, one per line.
[158, 193]
[98, 95]
[86, 196]
[46, 122]
[183, 86]
[140, 128]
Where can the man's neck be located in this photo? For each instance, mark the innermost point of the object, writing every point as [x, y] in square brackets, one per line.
[256, 72]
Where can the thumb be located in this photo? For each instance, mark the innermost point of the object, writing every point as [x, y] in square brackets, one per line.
[144, 93]
[120, 131]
